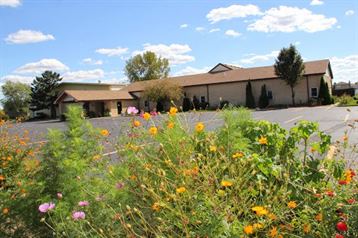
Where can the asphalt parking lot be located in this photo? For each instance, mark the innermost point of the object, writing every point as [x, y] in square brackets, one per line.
[333, 120]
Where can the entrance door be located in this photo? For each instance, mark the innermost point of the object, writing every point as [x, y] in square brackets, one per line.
[119, 107]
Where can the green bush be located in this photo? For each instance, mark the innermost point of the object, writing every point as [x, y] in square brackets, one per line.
[3, 116]
[263, 100]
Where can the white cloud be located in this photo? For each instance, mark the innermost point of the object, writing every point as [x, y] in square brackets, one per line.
[84, 75]
[233, 11]
[290, 19]
[345, 68]
[199, 28]
[10, 3]
[254, 58]
[17, 78]
[191, 70]
[112, 51]
[214, 30]
[92, 61]
[27, 36]
[316, 2]
[232, 33]
[184, 25]
[175, 53]
[42, 65]
[349, 13]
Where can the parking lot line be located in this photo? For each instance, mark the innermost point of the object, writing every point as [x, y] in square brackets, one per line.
[293, 119]
[346, 118]
[110, 153]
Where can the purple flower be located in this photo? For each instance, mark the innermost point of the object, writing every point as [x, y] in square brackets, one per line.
[83, 203]
[59, 195]
[132, 110]
[45, 207]
[119, 185]
[78, 215]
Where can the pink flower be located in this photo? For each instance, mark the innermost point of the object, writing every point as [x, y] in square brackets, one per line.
[78, 215]
[132, 110]
[59, 195]
[119, 185]
[45, 207]
[83, 203]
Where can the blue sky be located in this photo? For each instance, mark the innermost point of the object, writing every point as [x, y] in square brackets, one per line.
[90, 40]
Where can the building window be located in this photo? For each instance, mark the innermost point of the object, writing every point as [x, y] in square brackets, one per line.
[314, 92]
[202, 99]
[146, 103]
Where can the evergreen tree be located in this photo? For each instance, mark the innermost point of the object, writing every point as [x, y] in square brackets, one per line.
[264, 100]
[43, 91]
[324, 95]
[250, 100]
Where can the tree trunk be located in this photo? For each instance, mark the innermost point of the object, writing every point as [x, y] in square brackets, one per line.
[293, 96]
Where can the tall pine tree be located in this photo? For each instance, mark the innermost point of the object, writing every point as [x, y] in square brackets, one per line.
[43, 91]
[250, 100]
[324, 95]
[263, 100]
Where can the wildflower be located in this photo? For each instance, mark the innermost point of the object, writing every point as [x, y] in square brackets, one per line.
[199, 127]
[133, 177]
[212, 148]
[339, 236]
[170, 125]
[342, 226]
[260, 211]
[330, 193]
[45, 207]
[173, 111]
[221, 192]
[153, 130]
[59, 195]
[306, 228]
[5, 211]
[2, 177]
[319, 217]
[136, 123]
[249, 230]
[313, 150]
[345, 138]
[292, 204]
[273, 232]
[146, 116]
[331, 152]
[132, 110]
[238, 155]
[83, 203]
[119, 185]
[78, 215]
[342, 182]
[258, 226]
[351, 201]
[226, 183]
[262, 140]
[156, 207]
[272, 216]
[104, 132]
[181, 190]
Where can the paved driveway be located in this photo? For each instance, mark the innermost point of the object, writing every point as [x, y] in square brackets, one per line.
[333, 120]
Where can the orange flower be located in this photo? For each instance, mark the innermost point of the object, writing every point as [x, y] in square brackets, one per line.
[273, 232]
[260, 211]
[170, 125]
[156, 207]
[258, 226]
[272, 216]
[306, 228]
[226, 183]
[181, 190]
[249, 230]
[173, 111]
[2, 177]
[146, 116]
[345, 138]
[238, 155]
[199, 127]
[153, 130]
[292, 204]
[319, 217]
[5, 211]
[262, 140]
[136, 123]
[104, 132]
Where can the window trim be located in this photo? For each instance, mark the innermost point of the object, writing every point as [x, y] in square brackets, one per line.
[316, 92]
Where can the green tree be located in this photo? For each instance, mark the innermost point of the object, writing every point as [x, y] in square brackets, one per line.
[43, 91]
[146, 67]
[290, 68]
[324, 95]
[16, 99]
[250, 100]
[263, 100]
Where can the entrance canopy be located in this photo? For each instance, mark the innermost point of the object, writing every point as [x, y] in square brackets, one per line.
[92, 95]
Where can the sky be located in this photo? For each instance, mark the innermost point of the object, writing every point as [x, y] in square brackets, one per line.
[90, 40]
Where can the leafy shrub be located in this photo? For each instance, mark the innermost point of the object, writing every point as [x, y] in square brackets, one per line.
[187, 104]
[224, 104]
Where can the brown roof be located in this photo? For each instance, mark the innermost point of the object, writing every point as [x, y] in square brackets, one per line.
[95, 95]
[234, 75]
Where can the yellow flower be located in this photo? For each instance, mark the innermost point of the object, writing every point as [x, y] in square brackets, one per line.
[104, 132]
[292, 204]
[345, 138]
[273, 232]
[258, 226]
[212, 148]
[96, 157]
[238, 155]
[180, 190]
[153, 130]
[221, 192]
[156, 207]
[272, 216]
[226, 183]
[249, 230]
[260, 211]
[173, 111]
[5, 211]
[199, 127]
[146, 116]
[170, 125]
[136, 123]
[262, 140]
[306, 228]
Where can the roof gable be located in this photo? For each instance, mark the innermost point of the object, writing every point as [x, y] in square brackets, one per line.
[220, 68]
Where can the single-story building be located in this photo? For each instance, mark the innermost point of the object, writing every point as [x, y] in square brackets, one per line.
[222, 83]
[342, 88]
